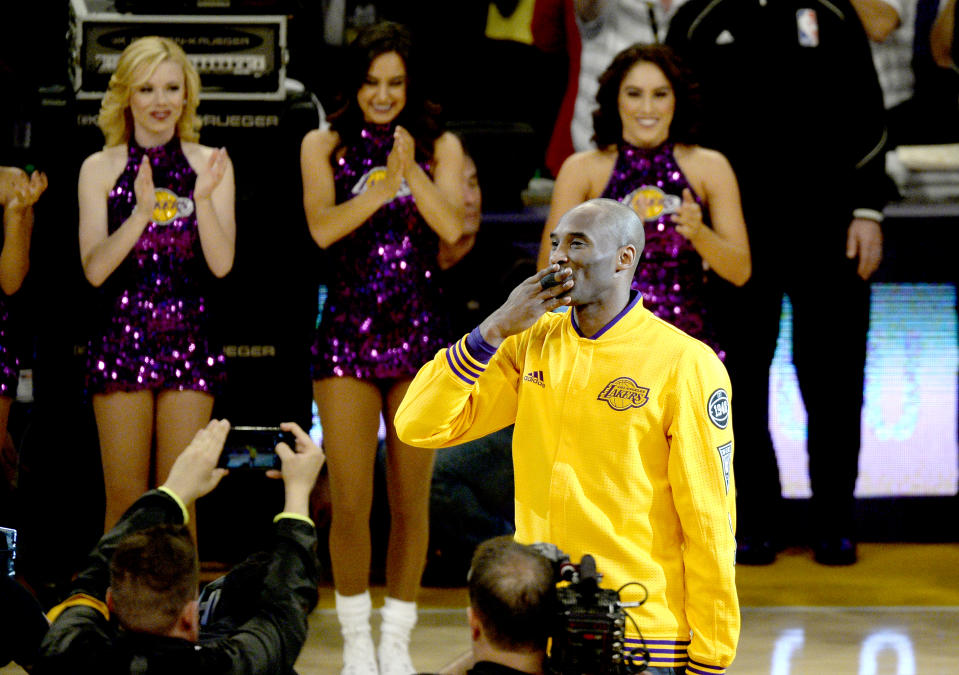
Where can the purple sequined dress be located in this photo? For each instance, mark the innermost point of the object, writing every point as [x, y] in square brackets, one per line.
[155, 310]
[9, 365]
[380, 319]
[670, 275]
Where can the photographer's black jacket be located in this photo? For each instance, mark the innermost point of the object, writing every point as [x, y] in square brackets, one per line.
[82, 639]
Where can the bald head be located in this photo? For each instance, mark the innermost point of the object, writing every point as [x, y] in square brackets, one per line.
[620, 221]
[598, 244]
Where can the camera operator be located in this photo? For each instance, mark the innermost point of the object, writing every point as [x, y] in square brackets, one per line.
[622, 443]
[512, 595]
[135, 605]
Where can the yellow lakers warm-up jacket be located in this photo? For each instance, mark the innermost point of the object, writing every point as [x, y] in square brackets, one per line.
[622, 449]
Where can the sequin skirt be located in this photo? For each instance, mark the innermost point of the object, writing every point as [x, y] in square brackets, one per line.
[139, 353]
[9, 365]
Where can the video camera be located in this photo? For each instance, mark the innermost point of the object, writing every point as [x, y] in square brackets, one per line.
[589, 624]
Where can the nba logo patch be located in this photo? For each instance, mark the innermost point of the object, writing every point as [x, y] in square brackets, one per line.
[808, 27]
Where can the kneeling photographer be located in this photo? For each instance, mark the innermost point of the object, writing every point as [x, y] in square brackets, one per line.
[135, 606]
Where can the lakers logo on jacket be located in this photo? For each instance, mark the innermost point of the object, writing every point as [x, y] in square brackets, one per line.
[623, 393]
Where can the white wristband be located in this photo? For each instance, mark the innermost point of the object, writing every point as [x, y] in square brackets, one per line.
[868, 214]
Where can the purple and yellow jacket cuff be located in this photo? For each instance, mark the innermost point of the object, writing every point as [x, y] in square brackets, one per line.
[468, 357]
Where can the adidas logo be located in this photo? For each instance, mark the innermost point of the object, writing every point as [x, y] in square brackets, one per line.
[536, 377]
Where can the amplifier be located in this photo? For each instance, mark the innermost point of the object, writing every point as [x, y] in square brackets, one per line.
[239, 57]
[205, 6]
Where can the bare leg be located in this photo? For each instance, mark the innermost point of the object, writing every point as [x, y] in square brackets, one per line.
[350, 415]
[180, 414]
[125, 428]
[5, 403]
[408, 474]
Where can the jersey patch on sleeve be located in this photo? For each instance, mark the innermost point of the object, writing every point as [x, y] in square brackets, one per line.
[718, 408]
[726, 457]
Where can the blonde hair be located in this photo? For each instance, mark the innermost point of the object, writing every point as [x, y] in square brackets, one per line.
[115, 120]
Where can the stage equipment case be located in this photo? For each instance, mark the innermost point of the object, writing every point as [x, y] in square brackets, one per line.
[239, 57]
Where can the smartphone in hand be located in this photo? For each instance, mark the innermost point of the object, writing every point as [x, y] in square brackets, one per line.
[253, 448]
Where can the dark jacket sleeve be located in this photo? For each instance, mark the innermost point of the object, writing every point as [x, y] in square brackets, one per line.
[271, 640]
[22, 624]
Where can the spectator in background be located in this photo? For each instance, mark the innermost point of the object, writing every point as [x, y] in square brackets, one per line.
[451, 253]
[889, 27]
[792, 99]
[493, 254]
[936, 118]
[920, 100]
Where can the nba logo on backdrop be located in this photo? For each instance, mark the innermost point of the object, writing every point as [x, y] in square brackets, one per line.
[808, 26]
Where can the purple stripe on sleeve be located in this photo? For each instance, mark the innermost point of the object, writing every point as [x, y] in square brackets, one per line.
[456, 370]
[461, 363]
[703, 669]
[690, 668]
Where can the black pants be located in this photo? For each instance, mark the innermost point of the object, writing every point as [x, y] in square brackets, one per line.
[830, 321]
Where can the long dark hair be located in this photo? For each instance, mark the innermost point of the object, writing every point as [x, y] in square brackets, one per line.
[607, 124]
[419, 115]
